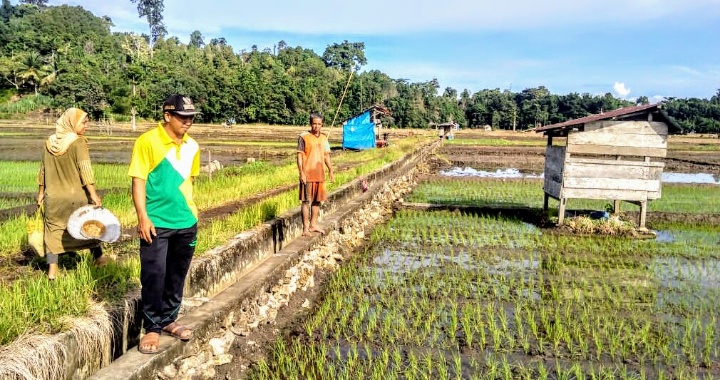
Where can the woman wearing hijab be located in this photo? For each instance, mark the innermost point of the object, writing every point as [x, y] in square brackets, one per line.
[66, 182]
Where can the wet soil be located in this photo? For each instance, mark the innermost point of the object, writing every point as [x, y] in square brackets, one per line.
[251, 349]
[23, 140]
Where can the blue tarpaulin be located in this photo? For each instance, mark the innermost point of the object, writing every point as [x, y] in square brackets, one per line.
[359, 132]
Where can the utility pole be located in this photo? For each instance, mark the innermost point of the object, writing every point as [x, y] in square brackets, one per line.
[514, 108]
[361, 94]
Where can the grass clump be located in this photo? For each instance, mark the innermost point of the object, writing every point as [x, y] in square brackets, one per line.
[585, 225]
[35, 304]
[28, 103]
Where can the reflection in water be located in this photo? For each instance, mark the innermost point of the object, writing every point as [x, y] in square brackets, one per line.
[690, 178]
[672, 271]
[515, 173]
[500, 173]
[402, 262]
[686, 282]
[664, 237]
[392, 262]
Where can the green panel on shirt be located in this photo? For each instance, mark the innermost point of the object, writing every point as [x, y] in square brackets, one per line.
[166, 205]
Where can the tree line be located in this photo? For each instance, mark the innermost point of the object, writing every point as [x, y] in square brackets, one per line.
[71, 56]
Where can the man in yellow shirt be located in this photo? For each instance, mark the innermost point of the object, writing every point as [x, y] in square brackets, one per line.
[164, 162]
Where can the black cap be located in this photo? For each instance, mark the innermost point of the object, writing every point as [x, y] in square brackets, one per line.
[179, 104]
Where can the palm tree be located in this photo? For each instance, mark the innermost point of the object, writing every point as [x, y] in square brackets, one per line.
[35, 70]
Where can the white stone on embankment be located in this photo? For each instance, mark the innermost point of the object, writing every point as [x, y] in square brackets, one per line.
[222, 359]
[195, 366]
[222, 344]
[169, 372]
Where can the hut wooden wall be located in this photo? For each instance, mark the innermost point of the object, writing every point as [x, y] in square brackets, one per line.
[591, 178]
[621, 138]
[622, 169]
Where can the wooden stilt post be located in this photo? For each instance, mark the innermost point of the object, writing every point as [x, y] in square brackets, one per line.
[643, 213]
[561, 211]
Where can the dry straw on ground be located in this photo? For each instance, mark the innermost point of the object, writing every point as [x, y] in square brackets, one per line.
[612, 226]
[40, 357]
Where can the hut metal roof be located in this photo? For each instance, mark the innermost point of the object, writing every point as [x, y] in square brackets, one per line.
[618, 114]
[375, 107]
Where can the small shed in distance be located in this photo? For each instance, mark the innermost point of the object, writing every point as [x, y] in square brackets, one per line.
[608, 156]
[365, 130]
[446, 130]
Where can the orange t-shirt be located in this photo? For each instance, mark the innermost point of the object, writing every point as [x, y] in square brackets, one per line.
[313, 150]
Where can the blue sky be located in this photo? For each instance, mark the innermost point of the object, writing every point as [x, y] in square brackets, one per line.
[630, 48]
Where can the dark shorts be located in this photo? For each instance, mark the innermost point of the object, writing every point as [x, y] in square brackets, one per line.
[313, 192]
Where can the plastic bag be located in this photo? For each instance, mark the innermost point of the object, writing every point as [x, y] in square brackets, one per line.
[35, 228]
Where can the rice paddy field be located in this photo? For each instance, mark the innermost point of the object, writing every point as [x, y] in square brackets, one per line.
[433, 294]
[256, 184]
[471, 295]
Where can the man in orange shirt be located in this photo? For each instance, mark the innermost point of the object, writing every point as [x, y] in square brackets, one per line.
[313, 153]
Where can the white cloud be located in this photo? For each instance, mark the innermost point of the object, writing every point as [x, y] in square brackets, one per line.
[621, 90]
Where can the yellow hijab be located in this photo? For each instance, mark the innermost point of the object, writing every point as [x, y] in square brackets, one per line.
[66, 128]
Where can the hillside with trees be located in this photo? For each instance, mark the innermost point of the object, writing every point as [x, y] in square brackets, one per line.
[65, 56]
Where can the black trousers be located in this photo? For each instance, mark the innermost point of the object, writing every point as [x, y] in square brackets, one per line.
[163, 267]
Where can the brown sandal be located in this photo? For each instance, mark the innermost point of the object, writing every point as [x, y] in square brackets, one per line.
[150, 343]
[178, 331]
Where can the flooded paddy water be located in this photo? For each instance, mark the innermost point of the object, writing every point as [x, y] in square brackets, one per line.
[453, 294]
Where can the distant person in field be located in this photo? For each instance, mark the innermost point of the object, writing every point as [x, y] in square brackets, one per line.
[313, 154]
[165, 161]
[65, 183]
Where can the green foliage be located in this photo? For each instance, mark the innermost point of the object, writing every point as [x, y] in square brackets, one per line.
[152, 10]
[35, 304]
[196, 39]
[345, 56]
[39, 3]
[696, 115]
[24, 105]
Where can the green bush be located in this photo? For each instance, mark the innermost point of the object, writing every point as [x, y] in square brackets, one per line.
[24, 105]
